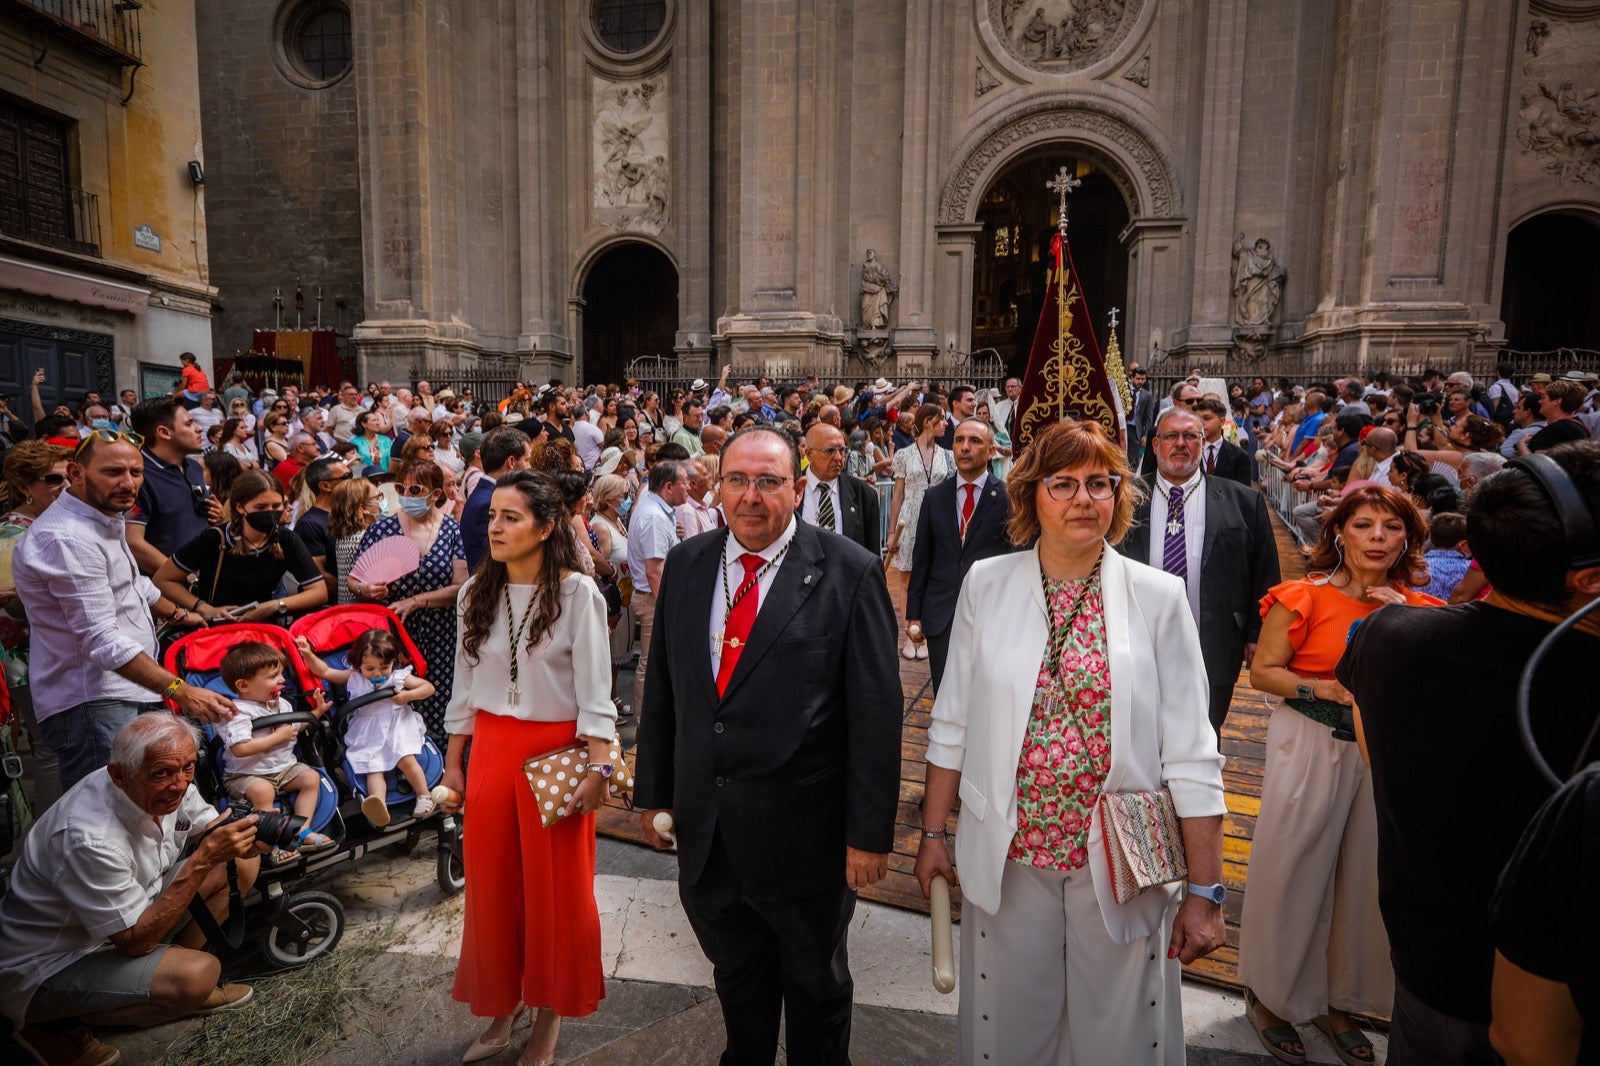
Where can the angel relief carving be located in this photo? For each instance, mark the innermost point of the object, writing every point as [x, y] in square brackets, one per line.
[631, 153]
[1061, 34]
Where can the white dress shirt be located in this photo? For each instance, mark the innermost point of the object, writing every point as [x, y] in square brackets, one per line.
[813, 499]
[90, 866]
[961, 494]
[1380, 473]
[733, 575]
[88, 607]
[1194, 530]
[567, 676]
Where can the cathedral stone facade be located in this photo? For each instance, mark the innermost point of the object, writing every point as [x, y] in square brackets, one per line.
[569, 185]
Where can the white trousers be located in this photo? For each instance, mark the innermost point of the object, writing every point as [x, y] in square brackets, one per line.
[1042, 981]
[1311, 935]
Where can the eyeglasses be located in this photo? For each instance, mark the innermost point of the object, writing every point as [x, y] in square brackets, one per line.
[412, 490]
[54, 479]
[1191, 437]
[837, 449]
[1100, 486]
[1189, 402]
[110, 437]
[766, 484]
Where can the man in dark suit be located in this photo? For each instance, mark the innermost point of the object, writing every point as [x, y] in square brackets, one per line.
[1220, 458]
[1215, 534]
[776, 746]
[963, 519]
[503, 450]
[830, 499]
[1183, 395]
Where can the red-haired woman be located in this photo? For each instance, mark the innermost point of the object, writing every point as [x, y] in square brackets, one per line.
[1312, 945]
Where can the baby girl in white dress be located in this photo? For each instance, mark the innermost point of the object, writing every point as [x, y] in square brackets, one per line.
[386, 734]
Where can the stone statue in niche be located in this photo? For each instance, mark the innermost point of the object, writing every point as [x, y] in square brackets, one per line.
[877, 293]
[1257, 287]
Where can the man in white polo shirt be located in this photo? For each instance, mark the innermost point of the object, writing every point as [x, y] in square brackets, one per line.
[96, 927]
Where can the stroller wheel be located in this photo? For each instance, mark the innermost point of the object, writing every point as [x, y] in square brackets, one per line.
[306, 927]
[452, 872]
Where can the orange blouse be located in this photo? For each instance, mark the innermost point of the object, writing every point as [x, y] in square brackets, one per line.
[1323, 617]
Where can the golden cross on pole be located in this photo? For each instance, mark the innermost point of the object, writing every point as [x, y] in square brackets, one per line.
[1062, 184]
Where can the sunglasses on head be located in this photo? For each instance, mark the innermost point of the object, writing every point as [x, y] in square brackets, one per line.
[110, 436]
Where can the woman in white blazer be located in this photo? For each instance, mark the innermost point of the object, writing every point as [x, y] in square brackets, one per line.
[1037, 717]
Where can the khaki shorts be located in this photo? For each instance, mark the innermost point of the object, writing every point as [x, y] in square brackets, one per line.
[237, 783]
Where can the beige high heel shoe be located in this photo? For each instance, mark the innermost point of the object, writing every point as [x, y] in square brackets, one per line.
[487, 1049]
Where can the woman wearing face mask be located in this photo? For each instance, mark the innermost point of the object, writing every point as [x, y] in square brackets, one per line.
[425, 599]
[245, 561]
[353, 505]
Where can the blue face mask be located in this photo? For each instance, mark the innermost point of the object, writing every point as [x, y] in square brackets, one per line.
[383, 505]
[104, 423]
[416, 506]
[624, 507]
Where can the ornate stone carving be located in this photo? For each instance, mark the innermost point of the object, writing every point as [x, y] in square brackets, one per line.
[1059, 36]
[877, 293]
[1558, 120]
[1159, 196]
[1257, 288]
[873, 346]
[630, 152]
[1139, 73]
[983, 81]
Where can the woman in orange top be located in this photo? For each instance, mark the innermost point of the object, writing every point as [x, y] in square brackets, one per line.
[1312, 945]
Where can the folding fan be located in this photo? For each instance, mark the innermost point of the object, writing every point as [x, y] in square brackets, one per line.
[386, 560]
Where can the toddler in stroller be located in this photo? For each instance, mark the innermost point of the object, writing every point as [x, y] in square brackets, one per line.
[386, 734]
[256, 768]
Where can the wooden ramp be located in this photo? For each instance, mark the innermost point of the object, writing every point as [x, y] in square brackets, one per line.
[1243, 744]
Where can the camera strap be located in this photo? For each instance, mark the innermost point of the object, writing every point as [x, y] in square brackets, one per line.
[231, 931]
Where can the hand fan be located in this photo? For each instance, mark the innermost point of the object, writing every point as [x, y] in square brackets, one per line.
[386, 560]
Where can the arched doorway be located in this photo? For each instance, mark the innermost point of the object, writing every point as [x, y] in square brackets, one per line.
[1018, 216]
[630, 308]
[1552, 276]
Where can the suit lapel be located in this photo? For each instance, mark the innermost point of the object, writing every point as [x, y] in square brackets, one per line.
[1136, 545]
[989, 506]
[849, 507]
[797, 578]
[1216, 517]
[704, 574]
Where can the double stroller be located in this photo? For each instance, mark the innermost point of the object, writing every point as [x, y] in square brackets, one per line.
[304, 925]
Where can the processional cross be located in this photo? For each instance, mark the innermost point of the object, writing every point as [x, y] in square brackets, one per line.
[1062, 184]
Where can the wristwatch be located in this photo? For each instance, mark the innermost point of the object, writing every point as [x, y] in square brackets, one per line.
[604, 769]
[1304, 691]
[1215, 893]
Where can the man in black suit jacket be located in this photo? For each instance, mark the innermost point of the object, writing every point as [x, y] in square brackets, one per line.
[503, 450]
[1220, 458]
[851, 505]
[1182, 395]
[785, 784]
[944, 552]
[1230, 556]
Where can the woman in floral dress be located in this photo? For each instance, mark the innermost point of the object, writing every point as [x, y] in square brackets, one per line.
[425, 599]
[916, 470]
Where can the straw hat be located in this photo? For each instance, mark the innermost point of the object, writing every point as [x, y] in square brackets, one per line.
[608, 461]
[841, 394]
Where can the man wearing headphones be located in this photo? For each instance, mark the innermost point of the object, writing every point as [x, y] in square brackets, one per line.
[1442, 841]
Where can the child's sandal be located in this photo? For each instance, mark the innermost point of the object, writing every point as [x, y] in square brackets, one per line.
[311, 843]
[425, 806]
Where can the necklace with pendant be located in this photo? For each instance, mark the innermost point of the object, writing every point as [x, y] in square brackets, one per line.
[745, 588]
[513, 693]
[1174, 522]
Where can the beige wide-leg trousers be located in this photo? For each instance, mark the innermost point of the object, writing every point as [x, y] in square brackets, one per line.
[1311, 935]
[1043, 983]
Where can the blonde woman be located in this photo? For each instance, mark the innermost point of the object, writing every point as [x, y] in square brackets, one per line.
[354, 504]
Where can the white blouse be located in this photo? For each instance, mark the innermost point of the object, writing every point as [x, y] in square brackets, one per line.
[566, 677]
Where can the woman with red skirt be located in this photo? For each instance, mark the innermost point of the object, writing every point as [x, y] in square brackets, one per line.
[533, 673]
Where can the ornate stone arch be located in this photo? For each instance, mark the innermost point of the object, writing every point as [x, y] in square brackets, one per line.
[1127, 149]
[589, 256]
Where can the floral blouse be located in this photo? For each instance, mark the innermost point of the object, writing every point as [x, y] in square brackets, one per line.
[1067, 750]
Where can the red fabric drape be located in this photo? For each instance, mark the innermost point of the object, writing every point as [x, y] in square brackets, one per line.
[1066, 376]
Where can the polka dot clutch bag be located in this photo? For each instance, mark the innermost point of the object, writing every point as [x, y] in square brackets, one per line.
[555, 774]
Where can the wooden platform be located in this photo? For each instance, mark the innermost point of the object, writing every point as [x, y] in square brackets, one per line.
[1243, 744]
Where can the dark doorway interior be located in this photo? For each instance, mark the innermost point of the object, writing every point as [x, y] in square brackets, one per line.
[1018, 215]
[1552, 280]
[630, 308]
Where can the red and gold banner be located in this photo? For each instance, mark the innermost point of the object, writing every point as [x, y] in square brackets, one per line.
[1067, 377]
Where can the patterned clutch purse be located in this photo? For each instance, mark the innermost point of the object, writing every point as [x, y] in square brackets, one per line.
[554, 775]
[1144, 847]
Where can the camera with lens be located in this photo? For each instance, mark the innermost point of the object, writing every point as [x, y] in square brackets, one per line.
[273, 828]
[1429, 402]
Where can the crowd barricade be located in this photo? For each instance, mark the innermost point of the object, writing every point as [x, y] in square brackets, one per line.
[1281, 495]
[885, 497]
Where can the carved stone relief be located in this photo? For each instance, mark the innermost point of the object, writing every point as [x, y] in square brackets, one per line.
[1558, 118]
[983, 81]
[630, 153]
[1162, 198]
[1059, 36]
[1139, 73]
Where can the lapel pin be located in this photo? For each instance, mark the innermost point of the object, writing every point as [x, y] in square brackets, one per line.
[807, 581]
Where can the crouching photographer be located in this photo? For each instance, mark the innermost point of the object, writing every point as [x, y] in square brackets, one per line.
[97, 926]
[1452, 783]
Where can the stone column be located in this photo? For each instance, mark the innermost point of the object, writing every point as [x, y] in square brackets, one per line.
[916, 331]
[952, 285]
[692, 59]
[1156, 253]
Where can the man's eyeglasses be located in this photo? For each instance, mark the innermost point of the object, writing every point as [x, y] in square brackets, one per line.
[1192, 437]
[837, 449]
[1189, 402]
[767, 484]
[110, 437]
[1100, 486]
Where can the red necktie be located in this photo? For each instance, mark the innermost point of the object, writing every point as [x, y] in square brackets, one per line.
[736, 628]
[967, 507]
[1211, 460]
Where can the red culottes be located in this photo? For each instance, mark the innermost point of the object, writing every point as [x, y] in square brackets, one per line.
[532, 927]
